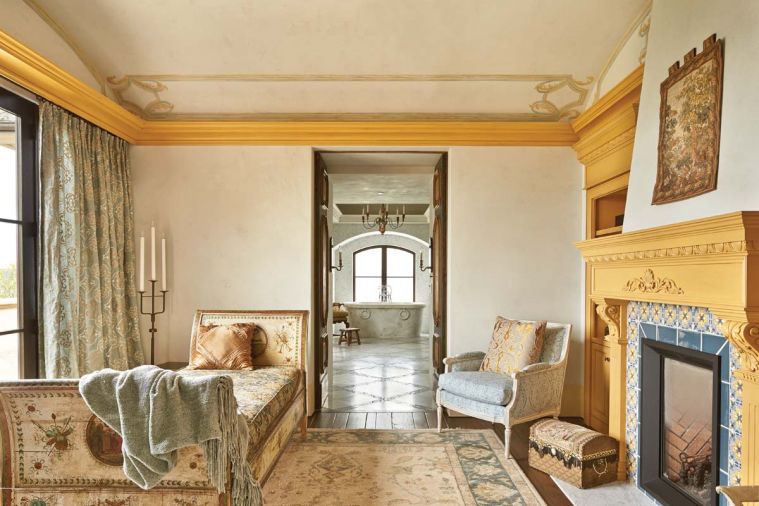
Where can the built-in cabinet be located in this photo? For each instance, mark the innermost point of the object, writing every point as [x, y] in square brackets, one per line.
[599, 386]
[606, 134]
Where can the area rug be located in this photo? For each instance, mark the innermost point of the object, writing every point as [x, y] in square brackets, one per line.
[397, 467]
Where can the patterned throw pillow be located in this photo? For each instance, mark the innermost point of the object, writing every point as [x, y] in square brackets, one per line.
[223, 347]
[515, 344]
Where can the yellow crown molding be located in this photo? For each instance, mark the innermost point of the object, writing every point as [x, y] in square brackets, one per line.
[357, 133]
[626, 89]
[40, 76]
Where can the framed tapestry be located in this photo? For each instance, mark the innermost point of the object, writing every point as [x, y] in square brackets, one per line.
[689, 125]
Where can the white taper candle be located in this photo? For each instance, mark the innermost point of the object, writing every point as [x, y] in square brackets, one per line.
[142, 263]
[163, 264]
[152, 253]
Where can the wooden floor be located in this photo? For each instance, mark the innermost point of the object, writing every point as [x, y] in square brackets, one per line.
[543, 483]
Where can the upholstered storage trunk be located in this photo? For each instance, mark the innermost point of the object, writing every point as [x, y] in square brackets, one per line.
[579, 456]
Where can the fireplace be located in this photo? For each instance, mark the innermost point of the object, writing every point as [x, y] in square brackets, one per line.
[679, 423]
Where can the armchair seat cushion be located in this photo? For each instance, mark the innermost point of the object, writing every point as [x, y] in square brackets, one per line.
[483, 386]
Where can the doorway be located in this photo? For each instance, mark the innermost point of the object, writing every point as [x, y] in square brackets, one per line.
[380, 268]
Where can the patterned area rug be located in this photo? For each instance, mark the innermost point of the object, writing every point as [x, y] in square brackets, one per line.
[397, 467]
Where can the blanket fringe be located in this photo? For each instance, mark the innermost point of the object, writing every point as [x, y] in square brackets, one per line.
[230, 448]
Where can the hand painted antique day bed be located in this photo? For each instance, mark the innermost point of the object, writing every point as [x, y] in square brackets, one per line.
[56, 452]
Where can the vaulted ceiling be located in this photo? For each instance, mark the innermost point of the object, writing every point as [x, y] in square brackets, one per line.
[345, 59]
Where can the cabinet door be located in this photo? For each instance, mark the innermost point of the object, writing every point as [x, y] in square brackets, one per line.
[599, 387]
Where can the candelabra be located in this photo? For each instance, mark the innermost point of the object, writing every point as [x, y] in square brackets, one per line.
[153, 296]
[383, 220]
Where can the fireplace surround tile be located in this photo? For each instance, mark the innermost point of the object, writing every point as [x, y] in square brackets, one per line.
[712, 343]
[687, 338]
[666, 335]
[696, 328]
[648, 330]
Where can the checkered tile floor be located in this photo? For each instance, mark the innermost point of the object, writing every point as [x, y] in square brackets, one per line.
[381, 375]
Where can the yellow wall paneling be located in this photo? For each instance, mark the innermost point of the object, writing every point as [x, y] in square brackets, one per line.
[711, 262]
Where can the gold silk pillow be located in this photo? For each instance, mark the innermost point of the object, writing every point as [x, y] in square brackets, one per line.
[515, 344]
[223, 347]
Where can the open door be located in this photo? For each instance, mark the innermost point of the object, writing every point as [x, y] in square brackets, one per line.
[323, 276]
[439, 263]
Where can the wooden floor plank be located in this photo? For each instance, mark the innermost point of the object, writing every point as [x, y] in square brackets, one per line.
[420, 421]
[356, 421]
[341, 421]
[431, 419]
[384, 421]
[371, 420]
[403, 420]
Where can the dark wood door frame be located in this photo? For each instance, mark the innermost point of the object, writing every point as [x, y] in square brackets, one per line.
[322, 272]
[440, 263]
[322, 276]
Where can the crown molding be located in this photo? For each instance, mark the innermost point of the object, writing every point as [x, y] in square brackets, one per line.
[29, 70]
[35, 73]
[358, 133]
[629, 86]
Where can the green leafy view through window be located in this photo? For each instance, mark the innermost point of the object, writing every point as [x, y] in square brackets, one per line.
[8, 282]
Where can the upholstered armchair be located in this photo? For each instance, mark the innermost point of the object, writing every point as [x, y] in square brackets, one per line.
[510, 399]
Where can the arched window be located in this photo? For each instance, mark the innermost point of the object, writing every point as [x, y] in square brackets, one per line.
[383, 265]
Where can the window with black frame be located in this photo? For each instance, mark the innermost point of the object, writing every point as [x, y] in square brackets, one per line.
[18, 241]
[379, 266]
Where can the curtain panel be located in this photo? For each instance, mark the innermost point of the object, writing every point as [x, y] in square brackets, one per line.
[88, 301]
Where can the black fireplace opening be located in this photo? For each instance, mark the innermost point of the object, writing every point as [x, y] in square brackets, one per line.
[679, 424]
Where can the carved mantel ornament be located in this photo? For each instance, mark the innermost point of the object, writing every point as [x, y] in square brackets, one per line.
[651, 284]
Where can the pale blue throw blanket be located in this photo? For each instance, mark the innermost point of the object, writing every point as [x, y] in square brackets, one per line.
[156, 412]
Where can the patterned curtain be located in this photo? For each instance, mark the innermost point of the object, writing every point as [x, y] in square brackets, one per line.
[88, 300]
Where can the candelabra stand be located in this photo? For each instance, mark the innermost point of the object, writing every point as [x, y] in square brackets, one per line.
[152, 312]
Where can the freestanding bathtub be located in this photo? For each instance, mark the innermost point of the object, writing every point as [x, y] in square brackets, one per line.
[386, 319]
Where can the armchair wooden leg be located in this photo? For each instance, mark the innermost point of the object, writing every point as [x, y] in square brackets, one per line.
[507, 441]
[439, 418]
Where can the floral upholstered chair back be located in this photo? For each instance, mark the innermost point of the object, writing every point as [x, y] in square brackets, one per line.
[555, 343]
[279, 337]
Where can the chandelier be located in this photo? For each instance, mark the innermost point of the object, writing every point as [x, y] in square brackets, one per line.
[383, 220]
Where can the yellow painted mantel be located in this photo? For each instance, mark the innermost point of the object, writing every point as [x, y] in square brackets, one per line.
[32, 71]
[711, 262]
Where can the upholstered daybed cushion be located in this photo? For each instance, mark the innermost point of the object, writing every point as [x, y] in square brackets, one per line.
[488, 387]
[262, 394]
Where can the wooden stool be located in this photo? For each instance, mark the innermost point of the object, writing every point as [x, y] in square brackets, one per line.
[348, 334]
